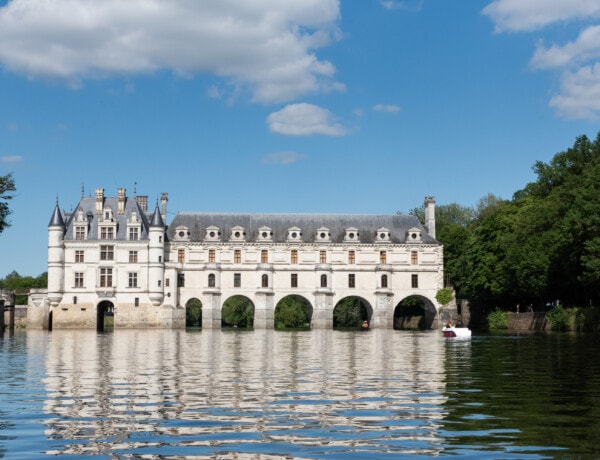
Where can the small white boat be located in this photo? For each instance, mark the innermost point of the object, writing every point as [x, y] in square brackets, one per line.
[452, 332]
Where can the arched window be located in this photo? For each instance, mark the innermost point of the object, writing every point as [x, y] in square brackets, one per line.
[265, 281]
[323, 281]
[384, 283]
[211, 280]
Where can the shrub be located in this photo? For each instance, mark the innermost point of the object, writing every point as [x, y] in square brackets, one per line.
[444, 296]
[558, 318]
[498, 319]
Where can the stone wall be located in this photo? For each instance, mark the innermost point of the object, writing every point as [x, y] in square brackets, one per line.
[535, 321]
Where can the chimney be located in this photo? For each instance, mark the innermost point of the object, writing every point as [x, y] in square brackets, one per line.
[430, 215]
[121, 200]
[164, 197]
[142, 201]
[99, 200]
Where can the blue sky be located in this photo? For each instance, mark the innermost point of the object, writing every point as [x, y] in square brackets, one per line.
[324, 106]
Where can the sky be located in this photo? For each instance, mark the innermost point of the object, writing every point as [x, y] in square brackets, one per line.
[296, 106]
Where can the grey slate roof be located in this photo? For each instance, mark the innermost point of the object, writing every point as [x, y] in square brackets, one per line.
[56, 220]
[367, 225]
[88, 206]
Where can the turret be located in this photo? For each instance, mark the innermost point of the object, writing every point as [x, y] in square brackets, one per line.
[156, 252]
[56, 257]
[430, 215]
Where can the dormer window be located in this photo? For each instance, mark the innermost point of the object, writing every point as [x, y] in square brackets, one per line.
[294, 234]
[351, 234]
[212, 234]
[265, 234]
[237, 234]
[182, 233]
[413, 235]
[107, 225]
[80, 228]
[323, 235]
[134, 227]
[382, 235]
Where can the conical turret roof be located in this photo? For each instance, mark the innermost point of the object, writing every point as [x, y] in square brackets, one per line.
[56, 220]
[157, 220]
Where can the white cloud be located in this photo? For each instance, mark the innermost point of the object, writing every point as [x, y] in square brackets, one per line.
[11, 159]
[577, 60]
[304, 120]
[580, 94]
[413, 5]
[283, 158]
[266, 46]
[389, 108]
[586, 47]
[527, 15]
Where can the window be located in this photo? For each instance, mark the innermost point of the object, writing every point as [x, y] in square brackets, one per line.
[414, 281]
[79, 256]
[211, 256]
[382, 257]
[180, 280]
[133, 280]
[134, 233]
[211, 280]
[181, 255]
[78, 280]
[74, 300]
[384, 281]
[264, 281]
[136, 301]
[107, 252]
[264, 256]
[351, 280]
[414, 257]
[323, 257]
[237, 280]
[167, 282]
[294, 256]
[351, 257]
[106, 277]
[79, 233]
[237, 256]
[323, 281]
[133, 257]
[107, 233]
[294, 280]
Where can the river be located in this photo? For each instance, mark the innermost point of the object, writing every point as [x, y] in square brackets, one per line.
[164, 394]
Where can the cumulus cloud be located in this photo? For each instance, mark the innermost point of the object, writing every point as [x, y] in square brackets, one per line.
[577, 60]
[304, 120]
[284, 158]
[11, 159]
[389, 108]
[528, 15]
[265, 46]
[413, 5]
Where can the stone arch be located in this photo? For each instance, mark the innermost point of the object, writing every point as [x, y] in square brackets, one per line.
[350, 311]
[237, 311]
[105, 316]
[415, 312]
[193, 313]
[299, 322]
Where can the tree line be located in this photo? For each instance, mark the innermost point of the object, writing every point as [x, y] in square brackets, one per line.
[540, 248]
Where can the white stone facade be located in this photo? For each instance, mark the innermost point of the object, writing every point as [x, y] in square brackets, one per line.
[111, 255]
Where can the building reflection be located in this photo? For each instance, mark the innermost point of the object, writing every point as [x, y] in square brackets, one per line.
[261, 394]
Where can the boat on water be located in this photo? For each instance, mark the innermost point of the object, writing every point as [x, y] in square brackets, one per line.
[452, 332]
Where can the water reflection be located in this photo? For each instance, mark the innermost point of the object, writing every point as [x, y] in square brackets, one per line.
[263, 394]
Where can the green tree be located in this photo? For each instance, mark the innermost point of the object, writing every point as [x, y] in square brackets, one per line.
[193, 313]
[238, 311]
[7, 187]
[349, 312]
[291, 312]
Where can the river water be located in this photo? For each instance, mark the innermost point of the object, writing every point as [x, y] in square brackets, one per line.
[163, 394]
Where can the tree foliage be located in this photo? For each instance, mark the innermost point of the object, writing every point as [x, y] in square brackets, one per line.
[7, 187]
[15, 282]
[292, 312]
[193, 313]
[349, 312]
[238, 311]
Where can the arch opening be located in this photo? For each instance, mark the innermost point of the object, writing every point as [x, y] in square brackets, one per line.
[105, 316]
[414, 312]
[237, 312]
[193, 314]
[293, 312]
[351, 312]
